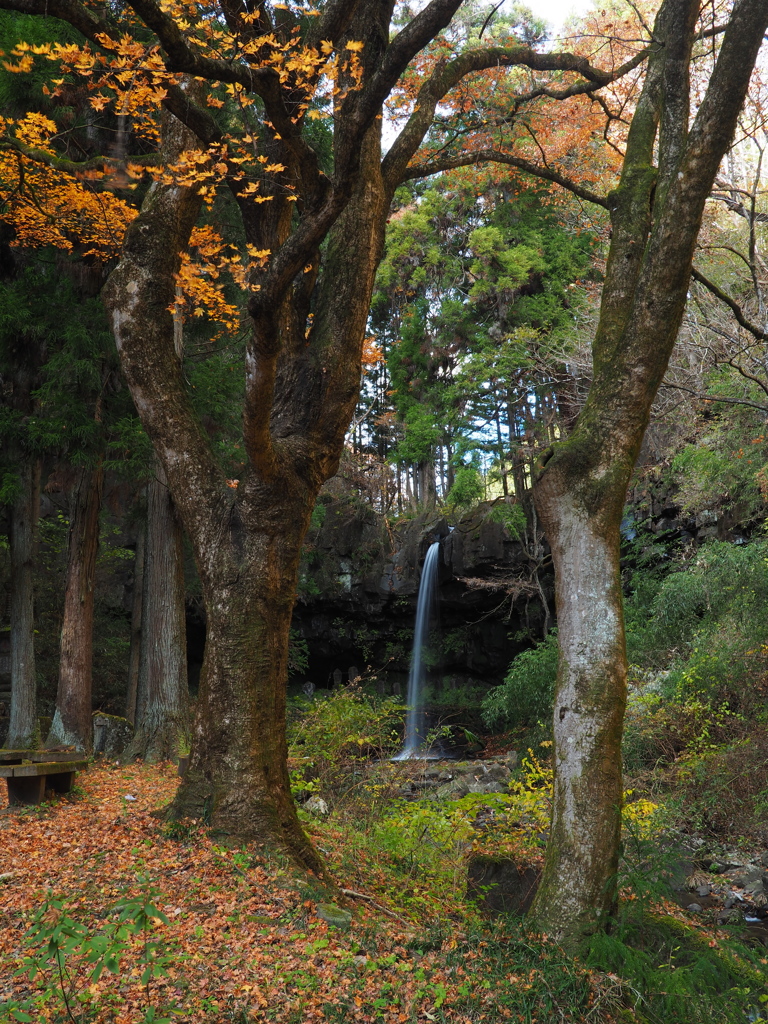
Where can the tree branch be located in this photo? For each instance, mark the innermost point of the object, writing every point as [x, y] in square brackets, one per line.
[667, 386]
[77, 167]
[734, 307]
[447, 74]
[498, 156]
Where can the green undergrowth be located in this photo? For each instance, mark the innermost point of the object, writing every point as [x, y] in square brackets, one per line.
[673, 973]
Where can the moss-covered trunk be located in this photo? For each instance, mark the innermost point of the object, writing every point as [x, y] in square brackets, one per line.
[577, 891]
[237, 778]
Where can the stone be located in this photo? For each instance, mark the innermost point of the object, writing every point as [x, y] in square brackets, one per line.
[480, 786]
[316, 805]
[726, 915]
[704, 890]
[498, 885]
[334, 915]
[454, 790]
[111, 734]
[496, 772]
[694, 908]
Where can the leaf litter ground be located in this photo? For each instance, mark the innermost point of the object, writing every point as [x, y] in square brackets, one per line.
[244, 939]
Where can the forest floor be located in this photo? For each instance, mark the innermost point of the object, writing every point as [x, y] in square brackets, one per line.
[214, 935]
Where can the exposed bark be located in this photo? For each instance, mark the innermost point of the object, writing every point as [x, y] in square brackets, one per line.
[161, 725]
[656, 213]
[72, 724]
[23, 729]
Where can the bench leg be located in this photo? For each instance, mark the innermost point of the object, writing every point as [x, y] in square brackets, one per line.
[62, 782]
[29, 789]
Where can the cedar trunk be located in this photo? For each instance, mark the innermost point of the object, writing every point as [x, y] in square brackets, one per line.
[22, 534]
[72, 721]
[135, 654]
[161, 725]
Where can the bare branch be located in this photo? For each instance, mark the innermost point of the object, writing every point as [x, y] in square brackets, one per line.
[498, 156]
[714, 398]
[726, 299]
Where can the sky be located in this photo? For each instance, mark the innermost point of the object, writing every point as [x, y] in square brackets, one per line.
[557, 11]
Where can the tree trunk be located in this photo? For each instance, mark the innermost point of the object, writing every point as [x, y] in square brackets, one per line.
[72, 721]
[237, 778]
[578, 885]
[501, 453]
[655, 217]
[24, 514]
[135, 655]
[162, 705]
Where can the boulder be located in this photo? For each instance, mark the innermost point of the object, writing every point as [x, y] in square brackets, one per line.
[316, 805]
[111, 734]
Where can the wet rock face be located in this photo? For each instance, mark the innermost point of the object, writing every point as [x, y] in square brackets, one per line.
[359, 588]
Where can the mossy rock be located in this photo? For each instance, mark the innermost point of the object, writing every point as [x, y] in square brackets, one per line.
[334, 915]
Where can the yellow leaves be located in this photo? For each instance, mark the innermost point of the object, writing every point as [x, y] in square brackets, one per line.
[212, 101]
[53, 209]
[354, 46]
[270, 168]
[22, 48]
[25, 64]
[99, 101]
[372, 354]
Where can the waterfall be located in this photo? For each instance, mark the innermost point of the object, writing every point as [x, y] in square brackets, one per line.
[414, 723]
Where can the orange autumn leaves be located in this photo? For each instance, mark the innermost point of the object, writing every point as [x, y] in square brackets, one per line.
[123, 80]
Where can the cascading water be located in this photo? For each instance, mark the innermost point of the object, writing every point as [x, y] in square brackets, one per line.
[414, 723]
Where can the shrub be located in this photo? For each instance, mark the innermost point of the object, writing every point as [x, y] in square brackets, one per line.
[329, 733]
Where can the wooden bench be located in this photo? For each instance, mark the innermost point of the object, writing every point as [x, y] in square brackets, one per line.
[30, 772]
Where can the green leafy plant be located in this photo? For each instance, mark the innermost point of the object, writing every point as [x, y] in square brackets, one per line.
[66, 958]
[511, 517]
[526, 695]
[332, 732]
